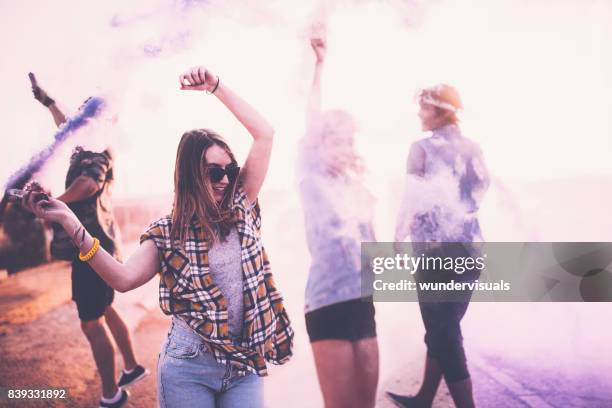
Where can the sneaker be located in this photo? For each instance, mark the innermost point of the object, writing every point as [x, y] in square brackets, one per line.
[118, 404]
[138, 373]
[402, 401]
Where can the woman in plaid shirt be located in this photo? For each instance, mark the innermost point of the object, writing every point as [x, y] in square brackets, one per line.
[215, 277]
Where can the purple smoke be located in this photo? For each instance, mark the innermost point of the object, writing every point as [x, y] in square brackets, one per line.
[90, 109]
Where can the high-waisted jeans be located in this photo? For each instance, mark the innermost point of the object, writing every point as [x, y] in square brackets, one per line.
[189, 376]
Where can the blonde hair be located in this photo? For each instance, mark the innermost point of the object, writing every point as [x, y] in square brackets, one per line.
[338, 119]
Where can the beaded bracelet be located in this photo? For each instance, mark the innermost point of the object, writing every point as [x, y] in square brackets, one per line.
[92, 251]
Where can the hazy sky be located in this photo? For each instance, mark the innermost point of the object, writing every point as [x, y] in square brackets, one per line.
[536, 79]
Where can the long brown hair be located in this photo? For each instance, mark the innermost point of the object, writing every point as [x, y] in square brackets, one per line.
[194, 201]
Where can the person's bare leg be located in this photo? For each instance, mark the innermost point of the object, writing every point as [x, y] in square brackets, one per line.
[366, 363]
[104, 354]
[334, 360]
[121, 334]
[461, 391]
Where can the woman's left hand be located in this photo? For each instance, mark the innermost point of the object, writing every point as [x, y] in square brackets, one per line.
[47, 208]
[198, 79]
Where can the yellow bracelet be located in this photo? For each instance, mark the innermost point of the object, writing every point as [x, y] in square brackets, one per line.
[91, 252]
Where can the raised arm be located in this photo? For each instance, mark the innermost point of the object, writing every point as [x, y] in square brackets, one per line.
[253, 173]
[81, 188]
[58, 116]
[137, 270]
[94, 172]
[41, 96]
[313, 109]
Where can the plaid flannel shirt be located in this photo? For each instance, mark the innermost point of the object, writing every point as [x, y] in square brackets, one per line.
[186, 289]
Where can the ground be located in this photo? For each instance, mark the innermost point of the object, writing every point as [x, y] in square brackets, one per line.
[520, 354]
[42, 346]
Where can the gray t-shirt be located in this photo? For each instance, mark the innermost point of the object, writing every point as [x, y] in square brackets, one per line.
[338, 214]
[226, 270]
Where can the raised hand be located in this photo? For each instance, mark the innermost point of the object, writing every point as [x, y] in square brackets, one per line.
[199, 79]
[39, 94]
[319, 45]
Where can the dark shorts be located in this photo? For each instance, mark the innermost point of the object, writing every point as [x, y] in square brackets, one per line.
[351, 320]
[90, 293]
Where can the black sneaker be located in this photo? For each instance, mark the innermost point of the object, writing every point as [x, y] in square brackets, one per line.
[402, 401]
[138, 373]
[118, 404]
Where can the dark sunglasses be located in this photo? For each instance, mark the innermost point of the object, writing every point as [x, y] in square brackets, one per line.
[216, 172]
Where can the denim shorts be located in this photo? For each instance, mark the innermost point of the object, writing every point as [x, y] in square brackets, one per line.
[189, 376]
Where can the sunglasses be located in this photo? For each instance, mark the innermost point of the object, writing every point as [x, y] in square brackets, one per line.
[216, 172]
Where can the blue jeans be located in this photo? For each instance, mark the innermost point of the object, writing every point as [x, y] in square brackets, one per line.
[189, 376]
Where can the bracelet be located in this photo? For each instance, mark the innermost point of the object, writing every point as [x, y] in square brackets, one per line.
[48, 101]
[215, 88]
[92, 251]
